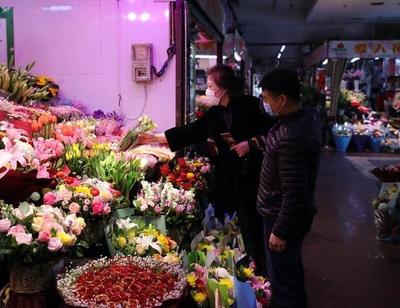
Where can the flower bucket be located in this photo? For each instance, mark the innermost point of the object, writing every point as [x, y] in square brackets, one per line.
[375, 144]
[93, 233]
[360, 142]
[342, 142]
[31, 279]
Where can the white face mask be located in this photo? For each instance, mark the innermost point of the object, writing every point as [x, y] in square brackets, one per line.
[212, 99]
[268, 109]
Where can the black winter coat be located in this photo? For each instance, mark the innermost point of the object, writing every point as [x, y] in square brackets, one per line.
[244, 119]
[289, 172]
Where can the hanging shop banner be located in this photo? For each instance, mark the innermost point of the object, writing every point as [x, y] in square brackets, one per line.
[364, 49]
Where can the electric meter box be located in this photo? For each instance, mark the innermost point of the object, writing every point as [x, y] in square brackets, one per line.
[142, 55]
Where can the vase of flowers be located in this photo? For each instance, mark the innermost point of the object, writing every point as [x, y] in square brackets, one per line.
[375, 140]
[360, 137]
[342, 136]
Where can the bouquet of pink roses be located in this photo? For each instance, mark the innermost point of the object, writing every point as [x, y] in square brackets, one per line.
[90, 198]
[32, 234]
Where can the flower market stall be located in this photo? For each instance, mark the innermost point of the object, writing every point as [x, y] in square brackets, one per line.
[106, 222]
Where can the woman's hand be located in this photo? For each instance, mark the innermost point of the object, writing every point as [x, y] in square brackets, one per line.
[241, 149]
[146, 138]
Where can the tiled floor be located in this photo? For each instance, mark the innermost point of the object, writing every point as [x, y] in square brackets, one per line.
[345, 266]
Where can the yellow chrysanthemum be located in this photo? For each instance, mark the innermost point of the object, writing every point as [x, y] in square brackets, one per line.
[151, 231]
[83, 189]
[190, 175]
[199, 297]
[247, 272]
[163, 240]
[121, 241]
[230, 301]
[191, 279]
[226, 282]
[131, 235]
[204, 246]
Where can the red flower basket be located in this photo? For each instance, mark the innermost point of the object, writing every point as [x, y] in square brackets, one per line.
[17, 186]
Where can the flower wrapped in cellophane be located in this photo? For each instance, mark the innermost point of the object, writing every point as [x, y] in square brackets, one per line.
[133, 238]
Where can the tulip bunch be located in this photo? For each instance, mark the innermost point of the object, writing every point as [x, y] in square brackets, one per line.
[44, 126]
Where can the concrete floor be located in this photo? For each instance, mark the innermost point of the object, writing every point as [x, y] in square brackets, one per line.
[345, 266]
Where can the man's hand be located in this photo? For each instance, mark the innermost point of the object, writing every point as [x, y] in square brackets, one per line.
[242, 148]
[276, 244]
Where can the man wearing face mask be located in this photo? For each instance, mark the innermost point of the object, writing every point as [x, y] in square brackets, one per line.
[287, 184]
[237, 165]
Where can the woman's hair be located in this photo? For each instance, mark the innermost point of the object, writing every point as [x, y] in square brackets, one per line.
[224, 77]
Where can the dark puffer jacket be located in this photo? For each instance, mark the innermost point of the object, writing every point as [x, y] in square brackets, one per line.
[289, 172]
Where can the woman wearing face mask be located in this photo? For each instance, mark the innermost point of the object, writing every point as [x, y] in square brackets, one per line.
[237, 166]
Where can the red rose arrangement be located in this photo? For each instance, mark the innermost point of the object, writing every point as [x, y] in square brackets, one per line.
[122, 282]
[187, 173]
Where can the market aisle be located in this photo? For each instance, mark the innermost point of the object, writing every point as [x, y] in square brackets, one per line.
[345, 266]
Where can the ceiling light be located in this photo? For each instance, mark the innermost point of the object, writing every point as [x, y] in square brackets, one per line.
[132, 16]
[283, 48]
[205, 56]
[144, 17]
[279, 56]
[325, 62]
[354, 60]
[237, 56]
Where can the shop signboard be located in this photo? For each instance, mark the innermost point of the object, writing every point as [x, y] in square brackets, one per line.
[364, 49]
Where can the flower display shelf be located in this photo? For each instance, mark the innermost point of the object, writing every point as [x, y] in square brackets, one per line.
[122, 282]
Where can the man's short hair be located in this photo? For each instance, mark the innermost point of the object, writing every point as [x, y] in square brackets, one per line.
[282, 82]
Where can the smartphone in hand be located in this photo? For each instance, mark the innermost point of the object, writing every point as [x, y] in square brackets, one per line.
[228, 139]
